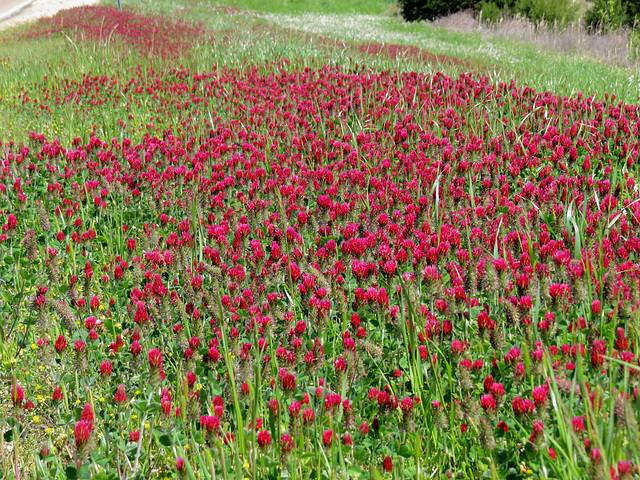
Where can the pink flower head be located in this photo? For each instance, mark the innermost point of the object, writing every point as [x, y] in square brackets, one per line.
[308, 416]
[17, 395]
[94, 303]
[140, 316]
[79, 347]
[87, 413]
[538, 429]
[288, 382]
[120, 396]
[488, 403]
[155, 358]
[82, 433]
[136, 348]
[458, 347]
[327, 438]
[522, 407]
[286, 443]
[273, 406]
[211, 423]
[407, 405]
[578, 424]
[12, 221]
[105, 369]
[294, 409]
[539, 395]
[364, 428]
[214, 354]
[60, 344]
[57, 394]
[624, 468]
[90, 323]
[264, 439]
[485, 322]
[497, 390]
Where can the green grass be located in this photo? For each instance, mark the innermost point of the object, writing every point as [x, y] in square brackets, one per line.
[365, 22]
[540, 69]
[373, 7]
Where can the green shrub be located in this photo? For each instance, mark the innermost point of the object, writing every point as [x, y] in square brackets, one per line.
[490, 13]
[634, 45]
[555, 12]
[606, 15]
[633, 10]
[414, 10]
[505, 4]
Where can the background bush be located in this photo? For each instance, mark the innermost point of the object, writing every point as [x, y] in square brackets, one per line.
[612, 14]
[606, 15]
[415, 10]
[555, 12]
[490, 12]
[550, 11]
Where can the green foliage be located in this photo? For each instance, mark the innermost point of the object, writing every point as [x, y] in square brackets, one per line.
[414, 10]
[503, 4]
[633, 10]
[555, 12]
[490, 12]
[606, 15]
[634, 45]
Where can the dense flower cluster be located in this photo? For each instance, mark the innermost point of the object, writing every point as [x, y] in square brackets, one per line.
[155, 36]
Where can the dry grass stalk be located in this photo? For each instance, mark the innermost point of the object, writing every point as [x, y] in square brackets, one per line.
[610, 47]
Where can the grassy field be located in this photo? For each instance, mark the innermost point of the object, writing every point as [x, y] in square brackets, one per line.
[271, 240]
[372, 7]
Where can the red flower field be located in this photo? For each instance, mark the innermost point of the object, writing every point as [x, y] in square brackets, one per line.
[316, 272]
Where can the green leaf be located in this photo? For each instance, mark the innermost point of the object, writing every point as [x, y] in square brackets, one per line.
[22, 340]
[360, 455]
[105, 476]
[99, 458]
[72, 472]
[165, 440]
[405, 451]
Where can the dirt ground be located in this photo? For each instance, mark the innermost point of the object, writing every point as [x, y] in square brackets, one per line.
[42, 8]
